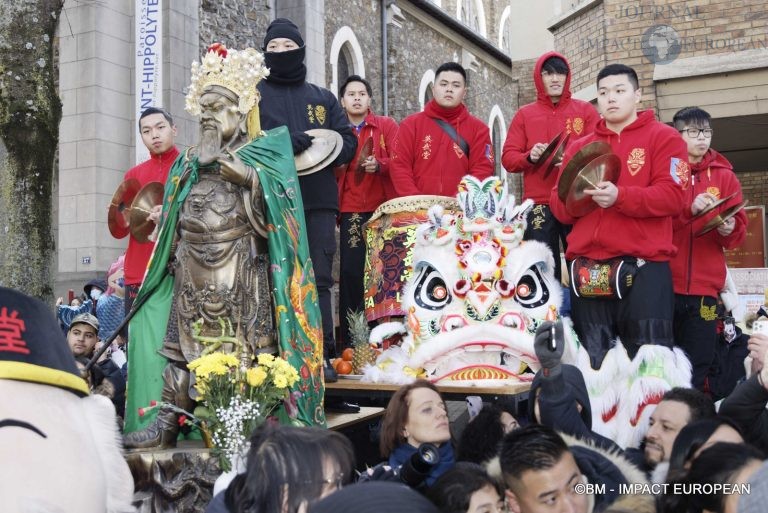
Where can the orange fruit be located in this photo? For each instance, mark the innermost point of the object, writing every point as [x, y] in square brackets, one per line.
[335, 362]
[348, 354]
[344, 367]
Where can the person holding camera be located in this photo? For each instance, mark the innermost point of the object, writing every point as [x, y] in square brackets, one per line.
[415, 437]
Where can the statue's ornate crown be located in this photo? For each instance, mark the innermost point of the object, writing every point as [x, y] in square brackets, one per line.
[238, 71]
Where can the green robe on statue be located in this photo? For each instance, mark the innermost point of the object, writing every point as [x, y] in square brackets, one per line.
[297, 322]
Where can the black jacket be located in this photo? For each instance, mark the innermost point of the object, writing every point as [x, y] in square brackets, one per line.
[746, 407]
[301, 107]
[728, 366]
[557, 405]
[110, 371]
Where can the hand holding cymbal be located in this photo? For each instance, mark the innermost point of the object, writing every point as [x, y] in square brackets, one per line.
[603, 193]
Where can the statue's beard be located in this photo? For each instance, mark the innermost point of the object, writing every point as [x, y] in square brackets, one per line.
[210, 146]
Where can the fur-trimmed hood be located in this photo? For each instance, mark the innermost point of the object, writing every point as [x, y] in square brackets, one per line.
[609, 468]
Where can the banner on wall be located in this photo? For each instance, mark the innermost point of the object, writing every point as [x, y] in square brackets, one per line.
[148, 81]
[752, 251]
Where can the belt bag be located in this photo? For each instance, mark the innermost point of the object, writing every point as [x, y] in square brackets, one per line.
[607, 279]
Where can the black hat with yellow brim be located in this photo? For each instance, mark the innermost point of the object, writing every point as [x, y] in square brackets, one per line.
[32, 347]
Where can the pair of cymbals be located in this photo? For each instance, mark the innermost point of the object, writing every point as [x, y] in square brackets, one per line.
[556, 148]
[130, 209]
[120, 206]
[326, 146]
[592, 164]
[365, 152]
[709, 208]
[721, 218]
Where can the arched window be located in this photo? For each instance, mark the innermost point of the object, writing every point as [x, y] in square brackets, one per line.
[498, 136]
[346, 58]
[472, 14]
[505, 38]
[425, 88]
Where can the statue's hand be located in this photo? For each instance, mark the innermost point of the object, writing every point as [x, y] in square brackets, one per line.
[235, 171]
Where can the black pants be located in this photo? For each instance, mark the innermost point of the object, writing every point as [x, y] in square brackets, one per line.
[352, 265]
[544, 227]
[695, 325]
[644, 316]
[321, 226]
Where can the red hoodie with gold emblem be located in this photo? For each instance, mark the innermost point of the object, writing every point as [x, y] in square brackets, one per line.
[428, 161]
[540, 122]
[698, 269]
[654, 173]
[364, 192]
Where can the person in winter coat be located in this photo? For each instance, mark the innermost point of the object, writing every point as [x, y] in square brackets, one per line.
[629, 233]
[437, 147]
[698, 269]
[531, 130]
[558, 397]
[363, 186]
[543, 471]
[288, 99]
[747, 404]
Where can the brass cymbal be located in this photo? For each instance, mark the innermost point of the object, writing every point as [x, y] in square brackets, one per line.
[557, 156]
[326, 146]
[721, 218]
[604, 168]
[580, 159]
[713, 205]
[148, 197]
[365, 152]
[547, 151]
[117, 216]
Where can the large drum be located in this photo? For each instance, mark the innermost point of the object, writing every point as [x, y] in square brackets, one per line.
[389, 237]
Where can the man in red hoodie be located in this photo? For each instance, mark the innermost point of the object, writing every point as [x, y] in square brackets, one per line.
[631, 226]
[698, 269]
[363, 186]
[437, 147]
[531, 130]
[157, 133]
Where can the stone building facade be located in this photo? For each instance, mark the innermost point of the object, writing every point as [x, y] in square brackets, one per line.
[97, 49]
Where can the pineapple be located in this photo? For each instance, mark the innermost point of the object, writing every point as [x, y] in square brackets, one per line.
[360, 333]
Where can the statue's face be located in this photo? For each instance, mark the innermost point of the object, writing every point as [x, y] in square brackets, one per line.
[220, 114]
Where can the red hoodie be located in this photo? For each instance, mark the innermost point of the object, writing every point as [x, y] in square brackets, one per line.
[654, 172]
[698, 269]
[540, 122]
[364, 192]
[155, 169]
[428, 161]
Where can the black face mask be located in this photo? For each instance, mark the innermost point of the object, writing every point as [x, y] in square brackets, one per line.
[286, 67]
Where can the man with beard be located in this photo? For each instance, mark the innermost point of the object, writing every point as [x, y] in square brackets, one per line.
[678, 408]
[233, 201]
[288, 99]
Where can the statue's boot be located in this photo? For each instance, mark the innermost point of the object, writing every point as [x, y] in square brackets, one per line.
[164, 430]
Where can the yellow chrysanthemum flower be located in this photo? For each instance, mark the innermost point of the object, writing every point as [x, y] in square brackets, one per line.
[255, 376]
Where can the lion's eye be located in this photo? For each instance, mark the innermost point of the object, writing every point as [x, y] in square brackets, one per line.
[430, 291]
[531, 290]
